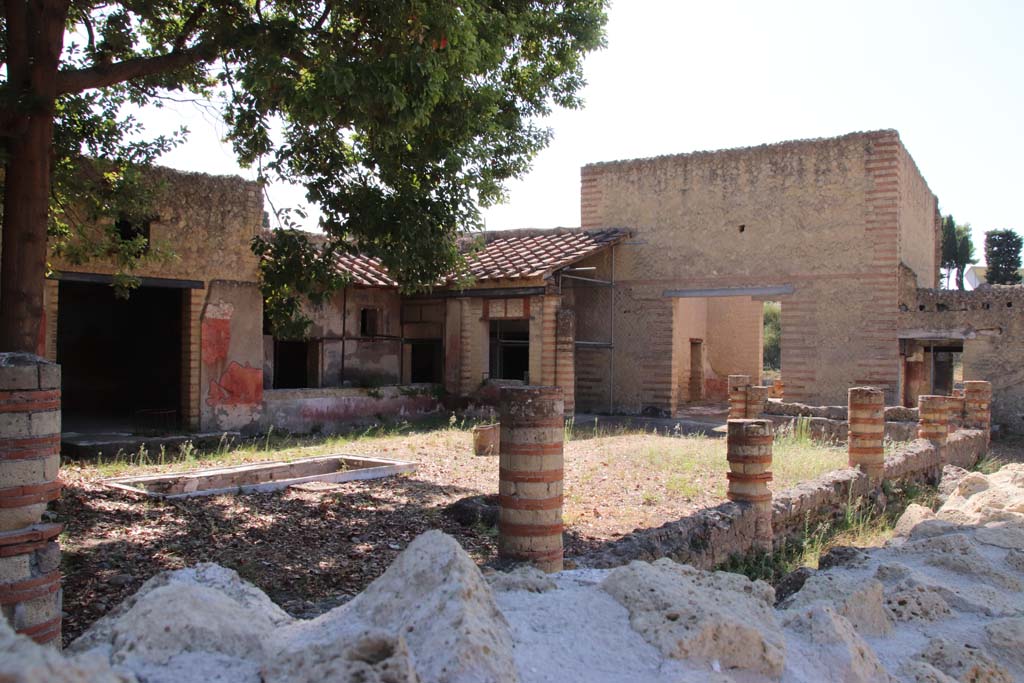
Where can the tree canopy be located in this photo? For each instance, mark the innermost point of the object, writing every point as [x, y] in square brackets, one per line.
[957, 250]
[402, 118]
[1002, 257]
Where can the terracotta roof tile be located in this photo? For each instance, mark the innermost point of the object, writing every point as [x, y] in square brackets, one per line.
[365, 270]
[512, 254]
[532, 253]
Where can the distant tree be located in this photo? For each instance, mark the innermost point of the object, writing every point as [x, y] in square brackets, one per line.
[957, 250]
[949, 246]
[1002, 257]
[400, 117]
[772, 335]
[964, 253]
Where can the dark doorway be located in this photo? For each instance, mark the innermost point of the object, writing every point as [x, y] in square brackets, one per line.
[510, 349]
[121, 358]
[295, 364]
[696, 370]
[426, 361]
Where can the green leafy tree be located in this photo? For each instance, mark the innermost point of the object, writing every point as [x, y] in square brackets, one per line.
[949, 246]
[1002, 257]
[402, 118]
[964, 255]
[957, 250]
[772, 335]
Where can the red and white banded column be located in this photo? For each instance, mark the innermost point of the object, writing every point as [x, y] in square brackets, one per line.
[30, 593]
[530, 476]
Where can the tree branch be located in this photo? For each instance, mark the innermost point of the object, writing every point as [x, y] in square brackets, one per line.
[102, 75]
[189, 26]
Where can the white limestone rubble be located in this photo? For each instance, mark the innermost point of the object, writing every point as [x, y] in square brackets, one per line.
[941, 602]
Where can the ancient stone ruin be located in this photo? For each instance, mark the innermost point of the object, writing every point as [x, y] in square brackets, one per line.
[943, 601]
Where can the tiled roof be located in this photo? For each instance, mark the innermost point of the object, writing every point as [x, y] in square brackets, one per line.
[517, 254]
[365, 270]
[506, 255]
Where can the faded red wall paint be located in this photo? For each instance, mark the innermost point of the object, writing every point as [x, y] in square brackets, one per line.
[216, 340]
[238, 386]
[716, 388]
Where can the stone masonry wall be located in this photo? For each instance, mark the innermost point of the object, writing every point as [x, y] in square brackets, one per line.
[713, 535]
[823, 216]
[323, 411]
[207, 222]
[990, 322]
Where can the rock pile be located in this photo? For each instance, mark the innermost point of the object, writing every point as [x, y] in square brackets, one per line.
[942, 602]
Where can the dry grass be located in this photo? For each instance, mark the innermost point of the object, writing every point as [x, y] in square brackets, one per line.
[303, 547]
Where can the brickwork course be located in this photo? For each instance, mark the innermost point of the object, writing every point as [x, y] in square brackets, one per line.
[30, 593]
[820, 225]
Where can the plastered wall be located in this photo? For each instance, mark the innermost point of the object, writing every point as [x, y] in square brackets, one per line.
[206, 223]
[735, 334]
[821, 216]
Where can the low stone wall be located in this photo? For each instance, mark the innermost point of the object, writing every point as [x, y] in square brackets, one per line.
[892, 413]
[713, 535]
[835, 431]
[326, 411]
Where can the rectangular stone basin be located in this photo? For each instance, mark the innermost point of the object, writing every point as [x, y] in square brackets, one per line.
[260, 477]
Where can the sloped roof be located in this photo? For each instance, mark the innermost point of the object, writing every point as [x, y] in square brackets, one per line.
[517, 254]
[364, 270]
[505, 255]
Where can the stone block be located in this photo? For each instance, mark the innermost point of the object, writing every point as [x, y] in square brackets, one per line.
[15, 568]
[49, 376]
[19, 377]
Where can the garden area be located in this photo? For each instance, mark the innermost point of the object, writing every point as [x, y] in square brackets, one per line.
[313, 547]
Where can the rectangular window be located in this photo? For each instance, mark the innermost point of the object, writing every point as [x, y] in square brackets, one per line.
[296, 364]
[128, 229]
[369, 322]
[426, 359]
[510, 349]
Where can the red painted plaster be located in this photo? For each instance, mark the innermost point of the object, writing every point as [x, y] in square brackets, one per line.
[238, 386]
[216, 340]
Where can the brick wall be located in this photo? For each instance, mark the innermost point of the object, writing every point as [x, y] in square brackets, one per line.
[821, 216]
[991, 326]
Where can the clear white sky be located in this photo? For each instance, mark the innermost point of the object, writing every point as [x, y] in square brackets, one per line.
[684, 76]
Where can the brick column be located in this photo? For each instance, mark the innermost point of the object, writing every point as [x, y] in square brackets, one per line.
[565, 358]
[738, 385]
[749, 452]
[757, 398]
[954, 413]
[30, 594]
[530, 476]
[934, 418]
[978, 406]
[866, 415]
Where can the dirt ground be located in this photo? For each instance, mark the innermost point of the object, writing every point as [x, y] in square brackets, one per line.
[311, 550]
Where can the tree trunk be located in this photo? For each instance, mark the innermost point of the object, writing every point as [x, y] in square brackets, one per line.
[35, 37]
[960, 277]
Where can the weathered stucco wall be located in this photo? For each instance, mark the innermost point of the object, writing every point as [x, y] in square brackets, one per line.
[327, 411]
[231, 377]
[690, 322]
[206, 223]
[736, 341]
[991, 324]
[344, 354]
[822, 216]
